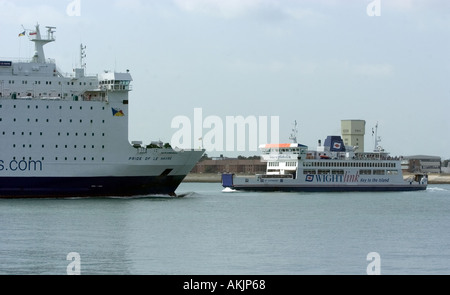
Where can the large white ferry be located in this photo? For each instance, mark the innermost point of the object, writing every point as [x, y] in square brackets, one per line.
[67, 135]
[333, 167]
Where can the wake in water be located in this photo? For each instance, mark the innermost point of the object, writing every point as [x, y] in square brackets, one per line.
[438, 189]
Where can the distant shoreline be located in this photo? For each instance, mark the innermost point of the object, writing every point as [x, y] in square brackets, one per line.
[216, 178]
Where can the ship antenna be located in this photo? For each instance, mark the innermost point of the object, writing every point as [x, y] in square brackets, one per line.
[294, 133]
[82, 56]
[377, 138]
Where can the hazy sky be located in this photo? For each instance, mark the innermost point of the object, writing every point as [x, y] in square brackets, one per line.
[316, 62]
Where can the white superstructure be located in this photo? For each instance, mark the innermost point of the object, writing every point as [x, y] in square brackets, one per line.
[67, 135]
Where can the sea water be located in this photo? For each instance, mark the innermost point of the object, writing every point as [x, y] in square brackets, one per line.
[240, 233]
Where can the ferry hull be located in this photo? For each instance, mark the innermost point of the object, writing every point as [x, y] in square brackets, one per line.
[67, 187]
[291, 185]
[331, 189]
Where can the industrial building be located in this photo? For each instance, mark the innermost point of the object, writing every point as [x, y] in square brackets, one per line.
[421, 164]
[353, 132]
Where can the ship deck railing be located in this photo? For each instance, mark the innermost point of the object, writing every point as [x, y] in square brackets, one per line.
[26, 60]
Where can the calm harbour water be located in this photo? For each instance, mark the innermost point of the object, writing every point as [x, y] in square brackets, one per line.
[210, 232]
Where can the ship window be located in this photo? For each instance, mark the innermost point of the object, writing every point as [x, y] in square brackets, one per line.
[323, 172]
[337, 172]
[379, 172]
[309, 172]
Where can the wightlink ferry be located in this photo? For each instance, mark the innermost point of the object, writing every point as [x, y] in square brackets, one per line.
[333, 167]
[66, 135]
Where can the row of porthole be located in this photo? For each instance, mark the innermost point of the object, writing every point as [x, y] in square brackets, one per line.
[57, 146]
[59, 134]
[48, 120]
[57, 159]
[48, 107]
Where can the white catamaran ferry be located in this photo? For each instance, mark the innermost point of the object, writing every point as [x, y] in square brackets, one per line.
[67, 135]
[333, 167]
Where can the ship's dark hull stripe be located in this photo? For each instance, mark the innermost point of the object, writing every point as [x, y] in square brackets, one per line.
[333, 188]
[51, 187]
